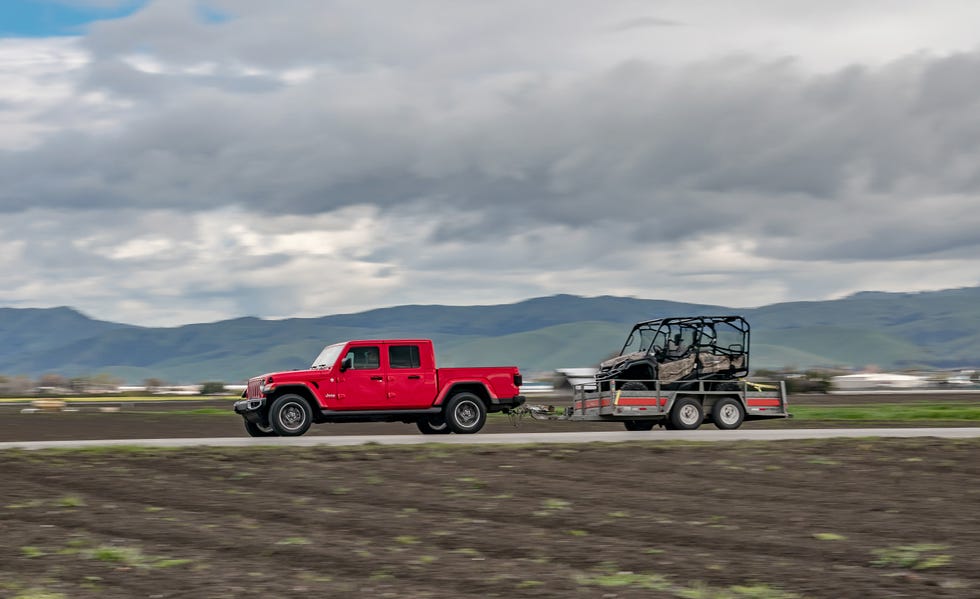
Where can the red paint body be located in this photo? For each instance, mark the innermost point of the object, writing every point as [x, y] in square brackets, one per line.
[401, 378]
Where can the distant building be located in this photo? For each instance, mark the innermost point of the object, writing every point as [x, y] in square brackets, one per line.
[536, 388]
[877, 380]
[578, 376]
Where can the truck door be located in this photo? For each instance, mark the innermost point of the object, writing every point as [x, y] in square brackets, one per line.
[362, 385]
[411, 376]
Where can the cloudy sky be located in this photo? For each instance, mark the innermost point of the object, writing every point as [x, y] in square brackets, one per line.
[173, 161]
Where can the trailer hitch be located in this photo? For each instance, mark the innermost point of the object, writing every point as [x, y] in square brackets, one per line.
[537, 413]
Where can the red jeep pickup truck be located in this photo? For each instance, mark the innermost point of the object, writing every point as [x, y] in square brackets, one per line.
[387, 381]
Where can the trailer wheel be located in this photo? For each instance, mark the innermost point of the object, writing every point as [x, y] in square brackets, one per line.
[257, 430]
[639, 425]
[433, 426]
[465, 413]
[728, 413]
[290, 415]
[687, 414]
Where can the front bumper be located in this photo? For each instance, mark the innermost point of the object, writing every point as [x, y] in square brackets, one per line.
[252, 409]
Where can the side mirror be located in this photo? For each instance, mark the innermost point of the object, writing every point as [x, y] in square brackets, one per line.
[347, 363]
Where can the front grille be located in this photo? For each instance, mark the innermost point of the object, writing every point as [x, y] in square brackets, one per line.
[255, 388]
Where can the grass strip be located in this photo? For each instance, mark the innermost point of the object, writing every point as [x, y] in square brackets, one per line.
[907, 411]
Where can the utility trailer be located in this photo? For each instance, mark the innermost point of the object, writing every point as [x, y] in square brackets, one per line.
[656, 404]
[677, 372]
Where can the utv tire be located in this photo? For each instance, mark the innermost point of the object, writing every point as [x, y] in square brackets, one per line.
[728, 413]
[632, 386]
[465, 413]
[290, 415]
[687, 414]
[257, 430]
[639, 425]
[433, 426]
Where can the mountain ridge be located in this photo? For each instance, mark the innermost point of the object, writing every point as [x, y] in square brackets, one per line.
[938, 329]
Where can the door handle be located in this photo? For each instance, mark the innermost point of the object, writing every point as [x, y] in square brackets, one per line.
[414, 376]
[377, 378]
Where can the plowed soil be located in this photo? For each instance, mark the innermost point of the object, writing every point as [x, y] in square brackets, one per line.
[837, 519]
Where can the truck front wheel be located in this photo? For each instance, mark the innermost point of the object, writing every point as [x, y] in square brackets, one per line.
[257, 430]
[465, 413]
[290, 415]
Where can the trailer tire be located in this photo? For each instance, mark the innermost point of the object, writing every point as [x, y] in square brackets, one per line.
[290, 415]
[433, 426]
[687, 414]
[465, 413]
[728, 413]
[639, 425]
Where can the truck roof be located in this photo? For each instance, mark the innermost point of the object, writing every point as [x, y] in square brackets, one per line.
[399, 340]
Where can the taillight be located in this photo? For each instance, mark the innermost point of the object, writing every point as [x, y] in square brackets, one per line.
[518, 380]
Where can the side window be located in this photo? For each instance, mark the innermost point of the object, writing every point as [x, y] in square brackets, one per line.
[404, 356]
[365, 358]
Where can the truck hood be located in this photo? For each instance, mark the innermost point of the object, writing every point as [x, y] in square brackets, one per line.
[286, 375]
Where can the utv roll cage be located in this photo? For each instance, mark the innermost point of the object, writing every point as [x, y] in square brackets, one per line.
[677, 349]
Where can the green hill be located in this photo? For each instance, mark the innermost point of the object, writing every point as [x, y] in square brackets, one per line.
[890, 330]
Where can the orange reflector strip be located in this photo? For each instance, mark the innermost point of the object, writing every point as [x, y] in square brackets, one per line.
[642, 401]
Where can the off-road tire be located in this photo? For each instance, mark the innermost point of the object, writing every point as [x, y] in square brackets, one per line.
[639, 425]
[728, 413]
[687, 414]
[256, 430]
[465, 413]
[290, 415]
[433, 426]
[633, 386]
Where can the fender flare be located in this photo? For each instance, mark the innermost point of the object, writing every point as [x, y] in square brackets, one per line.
[478, 387]
[300, 388]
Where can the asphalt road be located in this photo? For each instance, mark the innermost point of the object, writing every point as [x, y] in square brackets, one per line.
[514, 438]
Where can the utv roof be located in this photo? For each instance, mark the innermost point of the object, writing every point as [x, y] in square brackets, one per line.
[691, 320]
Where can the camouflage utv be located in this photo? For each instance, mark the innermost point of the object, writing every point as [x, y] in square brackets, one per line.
[714, 349]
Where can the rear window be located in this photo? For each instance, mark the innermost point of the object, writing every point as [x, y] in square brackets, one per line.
[404, 356]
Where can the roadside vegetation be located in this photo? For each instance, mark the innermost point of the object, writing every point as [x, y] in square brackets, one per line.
[890, 412]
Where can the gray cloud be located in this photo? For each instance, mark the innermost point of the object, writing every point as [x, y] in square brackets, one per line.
[484, 138]
[644, 23]
[635, 142]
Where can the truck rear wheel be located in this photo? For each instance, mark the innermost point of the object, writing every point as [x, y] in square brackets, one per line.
[257, 430]
[465, 413]
[728, 413]
[433, 426]
[687, 414]
[290, 415]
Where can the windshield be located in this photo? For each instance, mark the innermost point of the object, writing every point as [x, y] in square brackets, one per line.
[328, 356]
[640, 340]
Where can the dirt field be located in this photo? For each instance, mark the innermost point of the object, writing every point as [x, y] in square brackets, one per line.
[172, 420]
[836, 519]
